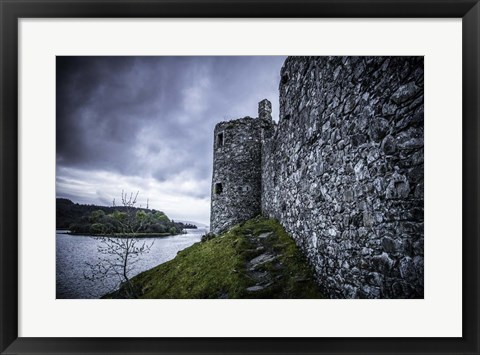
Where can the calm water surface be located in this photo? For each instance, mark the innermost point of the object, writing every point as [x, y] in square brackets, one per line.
[74, 251]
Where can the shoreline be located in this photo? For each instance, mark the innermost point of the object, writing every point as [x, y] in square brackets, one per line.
[124, 235]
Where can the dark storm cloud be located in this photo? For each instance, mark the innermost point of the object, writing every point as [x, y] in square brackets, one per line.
[118, 113]
[153, 117]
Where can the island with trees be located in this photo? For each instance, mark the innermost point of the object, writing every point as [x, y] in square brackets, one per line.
[96, 220]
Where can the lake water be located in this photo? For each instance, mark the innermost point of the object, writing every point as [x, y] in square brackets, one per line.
[73, 252]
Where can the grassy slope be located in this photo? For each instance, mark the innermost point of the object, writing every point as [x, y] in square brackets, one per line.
[221, 268]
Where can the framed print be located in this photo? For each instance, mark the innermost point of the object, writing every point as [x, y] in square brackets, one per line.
[239, 178]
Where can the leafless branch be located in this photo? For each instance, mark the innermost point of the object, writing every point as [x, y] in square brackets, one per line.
[118, 255]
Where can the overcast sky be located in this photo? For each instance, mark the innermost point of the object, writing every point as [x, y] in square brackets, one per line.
[146, 124]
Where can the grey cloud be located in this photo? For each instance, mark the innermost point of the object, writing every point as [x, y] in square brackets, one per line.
[153, 117]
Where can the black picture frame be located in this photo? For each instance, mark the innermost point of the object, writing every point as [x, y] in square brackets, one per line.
[11, 11]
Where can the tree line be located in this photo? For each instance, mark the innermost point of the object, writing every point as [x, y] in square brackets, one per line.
[103, 220]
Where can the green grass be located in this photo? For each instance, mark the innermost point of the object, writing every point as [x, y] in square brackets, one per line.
[218, 268]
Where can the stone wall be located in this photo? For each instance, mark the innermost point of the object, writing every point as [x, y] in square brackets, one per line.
[343, 171]
[236, 181]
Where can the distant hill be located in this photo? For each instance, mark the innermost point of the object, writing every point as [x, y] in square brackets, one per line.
[93, 219]
[198, 224]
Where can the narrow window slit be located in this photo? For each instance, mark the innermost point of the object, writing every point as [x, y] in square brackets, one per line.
[218, 188]
[220, 140]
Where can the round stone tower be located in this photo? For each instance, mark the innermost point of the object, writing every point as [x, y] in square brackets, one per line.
[237, 173]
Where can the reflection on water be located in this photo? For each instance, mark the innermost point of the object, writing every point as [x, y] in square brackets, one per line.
[73, 252]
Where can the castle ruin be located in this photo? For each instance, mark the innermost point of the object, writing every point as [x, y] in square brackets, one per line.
[342, 171]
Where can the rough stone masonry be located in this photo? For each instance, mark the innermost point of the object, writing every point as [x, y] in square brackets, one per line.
[342, 171]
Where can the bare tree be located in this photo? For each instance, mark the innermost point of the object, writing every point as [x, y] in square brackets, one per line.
[119, 254]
